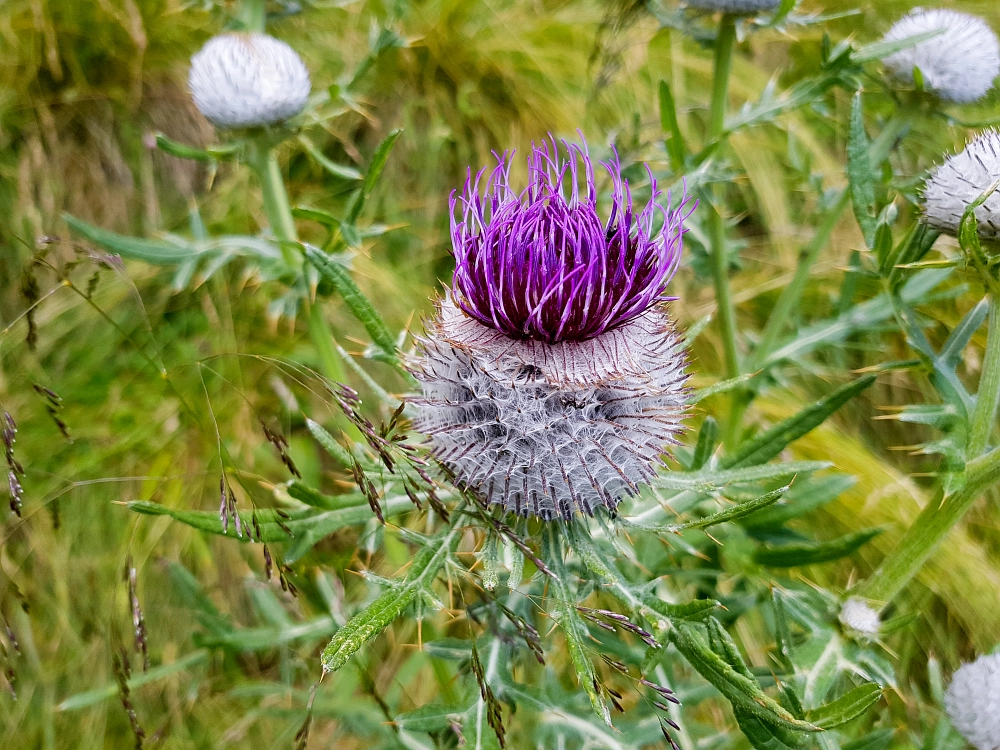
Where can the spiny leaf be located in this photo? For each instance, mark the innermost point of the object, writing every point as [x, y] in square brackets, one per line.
[668, 121]
[771, 442]
[847, 707]
[709, 481]
[809, 553]
[378, 615]
[859, 172]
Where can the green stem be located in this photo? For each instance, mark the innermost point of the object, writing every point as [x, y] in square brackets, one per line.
[988, 398]
[922, 538]
[264, 161]
[252, 15]
[717, 223]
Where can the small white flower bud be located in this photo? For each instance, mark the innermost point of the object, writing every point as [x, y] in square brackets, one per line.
[860, 618]
[245, 80]
[959, 64]
[960, 181]
[743, 7]
[973, 702]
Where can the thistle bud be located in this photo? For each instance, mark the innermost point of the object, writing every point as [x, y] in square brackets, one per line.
[973, 702]
[552, 378]
[962, 179]
[246, 80]
[736, 7]
[958, 65]
[859, 617]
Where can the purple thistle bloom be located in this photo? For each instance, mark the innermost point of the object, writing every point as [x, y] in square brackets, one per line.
[541, 264]
[552, 379]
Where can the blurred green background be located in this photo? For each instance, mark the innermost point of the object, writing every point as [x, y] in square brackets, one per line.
[84, 83]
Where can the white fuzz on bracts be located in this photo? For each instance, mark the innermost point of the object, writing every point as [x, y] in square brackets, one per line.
[247, 80]
[549, 430]
[861, 618]
[961, 180]
[959, 64]
[973, 702]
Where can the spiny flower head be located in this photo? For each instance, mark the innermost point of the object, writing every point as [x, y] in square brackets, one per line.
[244, 80]
[963, 178]
[742, 7]
[959, 64]
[973, 702]
[541, 264]
[860, 618]
[552, 379]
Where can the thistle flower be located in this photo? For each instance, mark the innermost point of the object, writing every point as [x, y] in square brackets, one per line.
[959, 64]
[552, 378]
[973, 702]
[860, 618]
[740, 7]
[961, 180]
[244, 80]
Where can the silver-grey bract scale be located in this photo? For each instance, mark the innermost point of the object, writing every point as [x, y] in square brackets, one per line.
[247, 80]
[741, 7]
[548, 430]
[957, 183]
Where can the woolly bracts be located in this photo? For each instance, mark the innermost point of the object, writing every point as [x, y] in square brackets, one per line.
[959, 64]
[247, 80]
[957, 183]
[548, 430]
[973, 702]
[736, 7]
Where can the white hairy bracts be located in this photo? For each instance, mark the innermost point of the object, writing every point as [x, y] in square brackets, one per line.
[744, 7]
[959, 64]
[961, 180]
[248, 80]
[549, 430]
[860, 618]
[973, 702]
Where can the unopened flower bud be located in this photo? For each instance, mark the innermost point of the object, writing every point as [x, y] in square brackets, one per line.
[860, 618]
[961, 180]
[244, 80]
[959, 64]
[973, 702]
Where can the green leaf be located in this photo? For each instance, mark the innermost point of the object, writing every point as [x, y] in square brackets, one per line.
[809, 553]
[801, 499]
[306, 531]
[379, 159]
[744, 693]
[157, 252]
[706, 482]
[91, 697]
[210, 154]
[740, 510]
[771, 442]
[430, 718]
[951, 352]
[847, 707]
[765, 737]
[359, 305]
[668, 121]
[705, 447]
[859, 172]
[880, 50]
[573, 628]
[695, 610]
[723, 386]
[378, 615]
[337, 170]
[340, 454]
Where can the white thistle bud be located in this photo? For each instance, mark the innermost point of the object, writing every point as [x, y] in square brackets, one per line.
[960, 181]
[741, 7]
[959, 64]
[244, 80]
[973, 702]
[859, 617]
